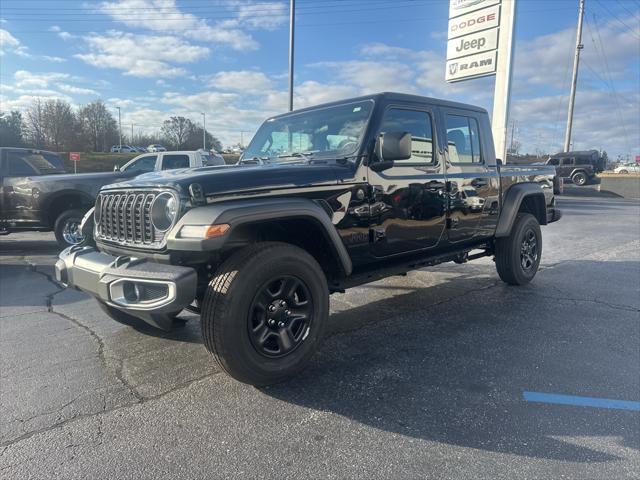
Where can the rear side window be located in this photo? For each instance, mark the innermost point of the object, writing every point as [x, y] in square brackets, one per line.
[169, 162]
[567, 161]
[32, 163]
[418, 124]
[463, 139]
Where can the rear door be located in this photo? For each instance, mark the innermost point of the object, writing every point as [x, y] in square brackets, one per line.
[471, 173]
[17, 198]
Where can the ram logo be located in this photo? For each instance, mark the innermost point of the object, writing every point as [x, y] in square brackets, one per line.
[453, 68]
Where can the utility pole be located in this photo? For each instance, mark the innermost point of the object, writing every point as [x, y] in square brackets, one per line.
[292, 21]
[119, 129]
[574, 81]
[204, 130]
[242, 139]
[132, 133]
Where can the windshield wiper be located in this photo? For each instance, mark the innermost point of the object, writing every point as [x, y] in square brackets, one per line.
[257, 160]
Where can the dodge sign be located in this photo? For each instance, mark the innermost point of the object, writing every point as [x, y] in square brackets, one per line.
[473, 39]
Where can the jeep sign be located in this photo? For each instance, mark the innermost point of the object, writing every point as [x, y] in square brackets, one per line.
[474, 22]
[472, 66]
[474, 43]
[474, 28]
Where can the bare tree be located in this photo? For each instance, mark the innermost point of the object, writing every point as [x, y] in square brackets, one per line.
[35, 124]
[98, 125]
[58, 123]
[177, 131]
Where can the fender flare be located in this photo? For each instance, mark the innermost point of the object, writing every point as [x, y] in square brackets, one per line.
[237, 213]
[511, 205]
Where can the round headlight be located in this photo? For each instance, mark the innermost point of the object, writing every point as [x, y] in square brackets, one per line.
[97, 212]
[164, 211]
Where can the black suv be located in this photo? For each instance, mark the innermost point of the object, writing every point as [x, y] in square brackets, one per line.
[581, 167]
[323, 199]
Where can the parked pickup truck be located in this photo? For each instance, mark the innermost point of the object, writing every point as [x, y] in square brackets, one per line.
[323, 199]
[38, 195]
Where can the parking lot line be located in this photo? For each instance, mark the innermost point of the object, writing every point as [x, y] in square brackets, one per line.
[559, 399]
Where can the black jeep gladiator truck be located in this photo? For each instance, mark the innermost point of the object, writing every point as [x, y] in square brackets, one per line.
[323, 199]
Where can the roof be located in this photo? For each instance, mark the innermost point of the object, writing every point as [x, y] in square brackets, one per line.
[578, 153]
[391, 97]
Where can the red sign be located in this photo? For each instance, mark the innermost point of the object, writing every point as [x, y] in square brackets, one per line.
[638, 159]
[74, 156]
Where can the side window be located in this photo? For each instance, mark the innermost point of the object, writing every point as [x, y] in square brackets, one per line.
[554, 161]
[17, 165]
[567, 161]
[419, 125]
[169, 162]
[143, 164]
[463, 139]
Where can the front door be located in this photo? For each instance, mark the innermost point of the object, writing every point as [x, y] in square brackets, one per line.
[473, 182]
[408, 202]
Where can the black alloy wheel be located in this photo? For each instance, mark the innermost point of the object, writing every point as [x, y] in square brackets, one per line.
[280, 316]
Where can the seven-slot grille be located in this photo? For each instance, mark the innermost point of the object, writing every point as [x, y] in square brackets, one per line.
[125, 218]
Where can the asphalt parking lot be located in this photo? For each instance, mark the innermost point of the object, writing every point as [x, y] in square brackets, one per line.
[445, 373]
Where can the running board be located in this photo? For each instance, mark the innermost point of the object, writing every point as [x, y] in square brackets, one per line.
[402, 267]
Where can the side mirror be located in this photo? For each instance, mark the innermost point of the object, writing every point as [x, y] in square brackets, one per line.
[116, 168]
[391, 146]
[498, 162]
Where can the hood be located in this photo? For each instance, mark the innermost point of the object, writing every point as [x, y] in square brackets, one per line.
[230, 179]
[77, 177]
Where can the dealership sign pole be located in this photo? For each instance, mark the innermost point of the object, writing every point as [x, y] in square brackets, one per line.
[480, 43]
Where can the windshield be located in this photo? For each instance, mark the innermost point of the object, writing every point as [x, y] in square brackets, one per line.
[334, 130]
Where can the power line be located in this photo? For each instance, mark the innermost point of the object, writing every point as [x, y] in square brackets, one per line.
[615, 17]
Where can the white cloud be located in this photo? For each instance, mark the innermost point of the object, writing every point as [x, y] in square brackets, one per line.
[244, 81]
[165, 16]
[76, 90]
[9, 43]
[61, 33]
[26, 79]
[54, 59]
[141, 55]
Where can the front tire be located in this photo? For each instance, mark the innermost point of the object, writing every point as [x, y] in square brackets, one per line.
[265, 312]
[67, 228]
[518, 255]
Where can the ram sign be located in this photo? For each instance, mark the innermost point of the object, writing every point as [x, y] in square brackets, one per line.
[473, 39]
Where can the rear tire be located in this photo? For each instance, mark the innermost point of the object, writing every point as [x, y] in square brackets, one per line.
[518, 255]
[265, 312]
[67, 228]
[579, 179]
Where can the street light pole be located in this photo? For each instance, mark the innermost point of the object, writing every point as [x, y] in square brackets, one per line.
[292, 21]
[574, 80]
[204, 130]
[119, 129]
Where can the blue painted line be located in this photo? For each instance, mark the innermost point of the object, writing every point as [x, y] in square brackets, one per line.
[540, 397]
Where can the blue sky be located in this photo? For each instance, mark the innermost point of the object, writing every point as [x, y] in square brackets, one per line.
[156, 58]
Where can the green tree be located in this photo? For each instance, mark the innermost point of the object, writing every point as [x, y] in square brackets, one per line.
[11, 129]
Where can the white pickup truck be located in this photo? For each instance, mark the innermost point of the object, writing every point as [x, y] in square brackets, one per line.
[155, 161]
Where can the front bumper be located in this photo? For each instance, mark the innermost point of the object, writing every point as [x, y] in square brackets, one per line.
[150, 291]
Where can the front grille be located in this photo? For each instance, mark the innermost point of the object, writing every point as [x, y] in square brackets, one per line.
[125, 219]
